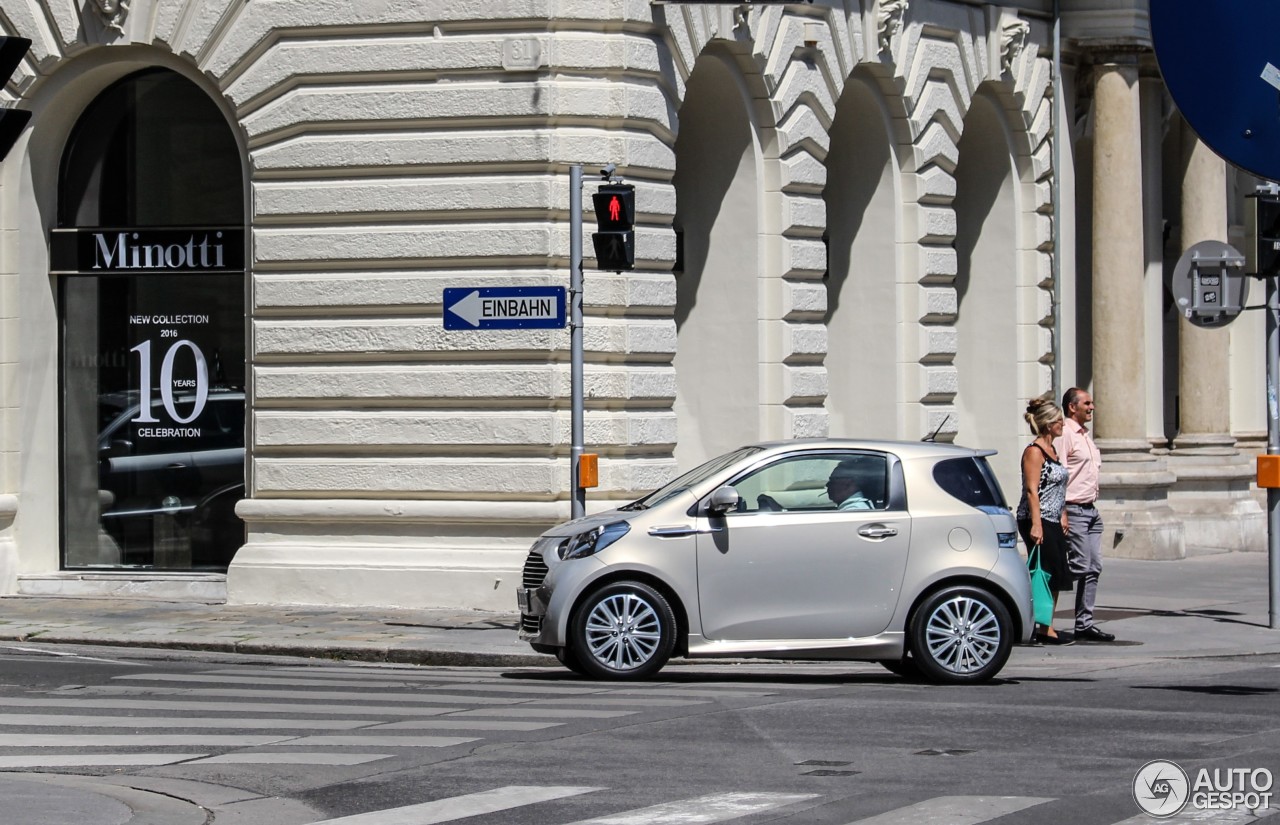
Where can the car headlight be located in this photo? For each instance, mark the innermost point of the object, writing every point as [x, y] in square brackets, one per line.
[593, 541]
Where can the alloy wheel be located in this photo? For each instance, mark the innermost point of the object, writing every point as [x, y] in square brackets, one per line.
[963, 634]
[623, 631]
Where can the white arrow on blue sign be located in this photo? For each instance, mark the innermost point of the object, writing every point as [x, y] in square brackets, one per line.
[513, 307]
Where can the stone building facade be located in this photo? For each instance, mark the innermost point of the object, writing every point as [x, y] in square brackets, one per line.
[847, 224]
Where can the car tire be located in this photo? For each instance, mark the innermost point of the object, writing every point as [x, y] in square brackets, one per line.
[961, 635]
[623, 631]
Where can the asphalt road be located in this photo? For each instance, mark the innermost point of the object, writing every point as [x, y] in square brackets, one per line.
[285, 741]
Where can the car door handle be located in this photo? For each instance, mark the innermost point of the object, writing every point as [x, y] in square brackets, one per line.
[681, 530]
[878, 531]
[177, 465]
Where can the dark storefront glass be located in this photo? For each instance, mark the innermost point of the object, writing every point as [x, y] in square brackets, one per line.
[151, 297]
[153, 416]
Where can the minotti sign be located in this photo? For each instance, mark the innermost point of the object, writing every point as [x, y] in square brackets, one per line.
[143, 251]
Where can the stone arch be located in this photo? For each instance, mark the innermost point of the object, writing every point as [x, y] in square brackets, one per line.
[863, 314]
[989, 288]
[58, 96]
[719, 185]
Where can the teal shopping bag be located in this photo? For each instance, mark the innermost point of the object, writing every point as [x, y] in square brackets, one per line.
[1041, 595]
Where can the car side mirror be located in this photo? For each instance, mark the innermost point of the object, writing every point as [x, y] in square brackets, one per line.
[722, 501]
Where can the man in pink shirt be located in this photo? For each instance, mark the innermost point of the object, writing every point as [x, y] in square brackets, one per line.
[1080, 455]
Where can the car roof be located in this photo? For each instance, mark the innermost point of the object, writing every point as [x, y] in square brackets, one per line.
[905, 450]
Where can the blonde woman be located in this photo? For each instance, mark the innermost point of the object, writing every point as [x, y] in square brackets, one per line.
[1042, 517]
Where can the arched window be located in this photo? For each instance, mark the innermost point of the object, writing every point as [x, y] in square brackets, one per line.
[151, 150]
[149, 261]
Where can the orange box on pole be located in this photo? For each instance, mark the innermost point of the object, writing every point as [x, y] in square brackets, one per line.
[1269, 471]
[589, 470]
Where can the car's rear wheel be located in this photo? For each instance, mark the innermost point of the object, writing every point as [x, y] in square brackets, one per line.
[624, 630]
[961, 635]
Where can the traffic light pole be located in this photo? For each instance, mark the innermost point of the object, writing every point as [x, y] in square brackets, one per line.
[1273, 445]
[579, 503]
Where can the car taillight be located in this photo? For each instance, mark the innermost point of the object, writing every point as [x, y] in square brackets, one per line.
[1008, 541]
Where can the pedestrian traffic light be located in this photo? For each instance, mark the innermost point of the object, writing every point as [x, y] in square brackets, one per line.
[615, 240]
[12, 121]
[1262, 245]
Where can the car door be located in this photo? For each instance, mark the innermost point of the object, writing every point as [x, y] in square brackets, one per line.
[789, 564]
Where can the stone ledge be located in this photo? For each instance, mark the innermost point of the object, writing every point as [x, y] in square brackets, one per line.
[210, 588]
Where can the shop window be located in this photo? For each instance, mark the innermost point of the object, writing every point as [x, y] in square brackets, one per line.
[149, 261]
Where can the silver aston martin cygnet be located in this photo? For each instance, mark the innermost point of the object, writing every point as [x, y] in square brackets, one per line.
[900, 553]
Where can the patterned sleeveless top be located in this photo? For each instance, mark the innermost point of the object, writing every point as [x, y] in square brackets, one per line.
[1053, 490]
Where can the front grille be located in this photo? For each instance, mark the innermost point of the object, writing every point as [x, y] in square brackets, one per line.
[531, 625]
[535, 569]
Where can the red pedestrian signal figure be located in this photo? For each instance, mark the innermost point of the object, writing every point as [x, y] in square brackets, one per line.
[614, 241]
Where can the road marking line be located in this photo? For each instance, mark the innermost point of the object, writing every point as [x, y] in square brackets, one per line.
[291, 759]
[418, 681]
[334, 696]
[260, 680]
[625, 701]
[545, 713]
[955, 810]
[392, 741]
[712, 808]
[73, 760]
[464, 724]
[115, 740]
[229, 707]
[460, 807]
[71, 720]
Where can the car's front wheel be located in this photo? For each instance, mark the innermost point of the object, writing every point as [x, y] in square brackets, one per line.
[961, 635]
[624, 630]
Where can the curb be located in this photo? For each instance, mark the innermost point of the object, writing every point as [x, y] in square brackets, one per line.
[387, 655]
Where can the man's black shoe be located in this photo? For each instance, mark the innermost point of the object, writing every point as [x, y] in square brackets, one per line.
[1093, 634]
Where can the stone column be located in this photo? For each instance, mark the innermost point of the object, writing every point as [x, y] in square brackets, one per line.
[1212, 495]
[1139, 523]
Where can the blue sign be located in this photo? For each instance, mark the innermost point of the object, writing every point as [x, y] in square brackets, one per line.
[513, 307]
[1221, 62]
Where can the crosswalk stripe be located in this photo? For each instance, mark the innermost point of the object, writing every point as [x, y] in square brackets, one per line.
[328, 695]
[389, 741]
[198, 706]
[546, 713]
[465, 724]
[501, 683]
[711, 808]
[373, 681]
[328, 758]
[105, 740]
[261, 680]
[364, 684]
[955, 810]
[73, 760]
[461, 807]
[116, 740]
[628, 701]
[70, 720]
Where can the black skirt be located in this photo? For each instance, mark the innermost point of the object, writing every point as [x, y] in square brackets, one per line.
[1053, 553]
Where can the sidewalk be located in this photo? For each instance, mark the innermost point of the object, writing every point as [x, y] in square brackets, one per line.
[1205, 605]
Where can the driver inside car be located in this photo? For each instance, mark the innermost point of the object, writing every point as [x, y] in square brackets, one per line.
[843, 489]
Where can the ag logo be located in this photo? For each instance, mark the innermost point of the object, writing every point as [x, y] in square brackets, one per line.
[1161, 788]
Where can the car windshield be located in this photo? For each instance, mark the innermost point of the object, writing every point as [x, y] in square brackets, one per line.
[691, 478]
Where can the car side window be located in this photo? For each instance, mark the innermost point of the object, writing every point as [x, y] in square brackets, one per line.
[816, 483]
